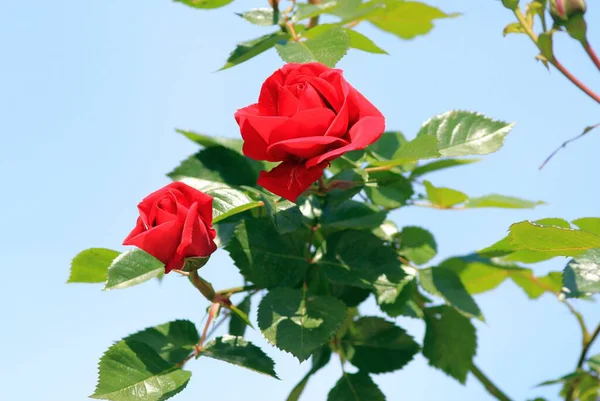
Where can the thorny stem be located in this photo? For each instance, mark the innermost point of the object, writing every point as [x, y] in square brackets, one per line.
[590, 51]
[523, 21]
[292, 31]
[488, 384]
[212, 312]
[314, 21]
[587, 344]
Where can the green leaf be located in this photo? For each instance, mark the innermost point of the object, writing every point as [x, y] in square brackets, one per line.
[244, 51]
[594, 362]
[440, 165]
[298, 322]
[267, 258]
[388, 145]
[392, 190]
[477, 274]
[172, 341]
[446, 284]
[582, 274]
[420, 148]
[227, 201]
[351, 215]
[132, 371]
[305, 11]
[589, 224]
[219, 164]
[513, 27]
[361, 259]
[417, 244]
[535, 287]
[132, 268]
[320, 358]
[406, 302]
[261, 16]
[237, 325]
[450, 341]
[207, 141]
[442, 197]
[375, 345]
[207, 4]
[240, 352]
[406, 19]
[545, 45]
[91, 265]
[361, 42]
[284, 215]
[355, 387]
[463, 133]
[507, 202]
[561, 241]
[328, 48]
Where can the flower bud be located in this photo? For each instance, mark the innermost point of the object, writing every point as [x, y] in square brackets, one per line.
[563, 10]
[511, 4]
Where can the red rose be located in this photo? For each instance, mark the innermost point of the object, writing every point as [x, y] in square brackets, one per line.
[306, 116]
[175, 223]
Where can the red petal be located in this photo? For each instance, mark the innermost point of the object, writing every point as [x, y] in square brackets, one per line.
[362, 134]
[160, 241]
[196, 241]
[290, 179]
[306, 123]
[287, 103]
[305, 148]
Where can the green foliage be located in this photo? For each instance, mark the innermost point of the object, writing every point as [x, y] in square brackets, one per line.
[392, 190]
[417, 245]
[208, 141]
[445, 283]
[91, 265]
[328, 48]
[133, 371]
[261, 16]
[351, 215]
[450, 341]
[360, 259]
[355, 387]
[298, 322]
[206, 4]
[284, 215]
[244, 51]
[440, 165]
[464, 133]
[237, 325]
[507, 202]
[240, 352]
[172, 341]
[361, 42]
[267, 258]
[132, 268]
[444, 198]
[582, 274]
[405, 19]
[377, 346]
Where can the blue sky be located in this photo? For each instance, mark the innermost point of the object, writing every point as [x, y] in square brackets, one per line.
[91, 94]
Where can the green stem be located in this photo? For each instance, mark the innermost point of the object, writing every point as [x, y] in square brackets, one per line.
[582, 358]
[202, 285]
[523, 21]
[489, 386]
[236, 290]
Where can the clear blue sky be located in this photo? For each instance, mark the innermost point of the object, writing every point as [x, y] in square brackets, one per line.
[91, 92]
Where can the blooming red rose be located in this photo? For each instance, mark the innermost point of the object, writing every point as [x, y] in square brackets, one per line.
[175, 223]
[306, 116]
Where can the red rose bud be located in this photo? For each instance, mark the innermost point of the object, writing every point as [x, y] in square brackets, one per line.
[565, 9]
[306, 116]
[175, 223]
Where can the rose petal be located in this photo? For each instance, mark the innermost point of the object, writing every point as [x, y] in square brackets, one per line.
[305, 123]
[290, 179]
[310, 99]
[339, 126]
[196, 241]
[160, 241]
[203, 200]
[327, 91]
[287, 103]
[255, 146]
[305, 148]
[267, 100]
[365, 132]
[302, 71]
